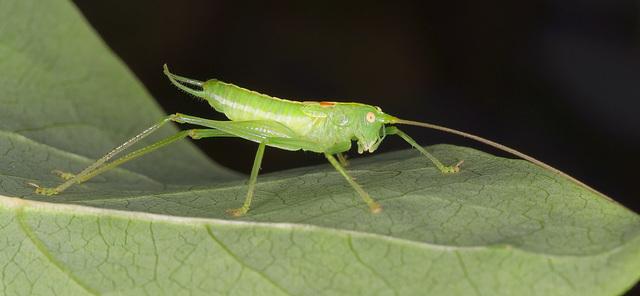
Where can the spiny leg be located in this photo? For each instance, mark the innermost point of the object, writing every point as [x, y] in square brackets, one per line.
[99, 165]
[99, 162]
[392, 130]
[194, 134]
[375, 208]
[252, 183]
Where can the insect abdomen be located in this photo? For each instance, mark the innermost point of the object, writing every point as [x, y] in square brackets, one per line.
[238, 103]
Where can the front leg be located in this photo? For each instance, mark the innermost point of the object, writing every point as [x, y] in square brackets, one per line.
[392, 130]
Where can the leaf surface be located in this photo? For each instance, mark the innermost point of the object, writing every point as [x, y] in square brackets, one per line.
[158, 225]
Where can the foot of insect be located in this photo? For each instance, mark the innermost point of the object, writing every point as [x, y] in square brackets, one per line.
[43, 190]
[63, 175]
[238, 212]
[52, 191]
[452, 169]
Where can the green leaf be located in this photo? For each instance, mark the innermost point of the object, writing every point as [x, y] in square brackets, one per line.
[158, 224]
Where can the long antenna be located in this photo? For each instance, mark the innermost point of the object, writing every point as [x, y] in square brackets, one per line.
[501, 147]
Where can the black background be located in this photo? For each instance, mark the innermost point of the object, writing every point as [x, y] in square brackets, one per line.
[558, 80]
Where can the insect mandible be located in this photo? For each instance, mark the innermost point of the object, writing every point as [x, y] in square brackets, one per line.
[323, 127]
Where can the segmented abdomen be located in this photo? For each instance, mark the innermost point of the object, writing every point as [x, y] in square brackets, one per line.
[242, 104]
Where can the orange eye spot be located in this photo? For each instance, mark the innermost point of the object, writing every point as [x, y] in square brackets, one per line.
[370, 117]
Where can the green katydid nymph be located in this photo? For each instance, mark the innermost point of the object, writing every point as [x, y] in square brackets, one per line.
[323, 127]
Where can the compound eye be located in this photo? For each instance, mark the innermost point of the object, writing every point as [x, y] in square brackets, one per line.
[370, 117]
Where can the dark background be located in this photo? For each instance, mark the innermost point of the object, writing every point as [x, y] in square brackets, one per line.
[558, 80]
